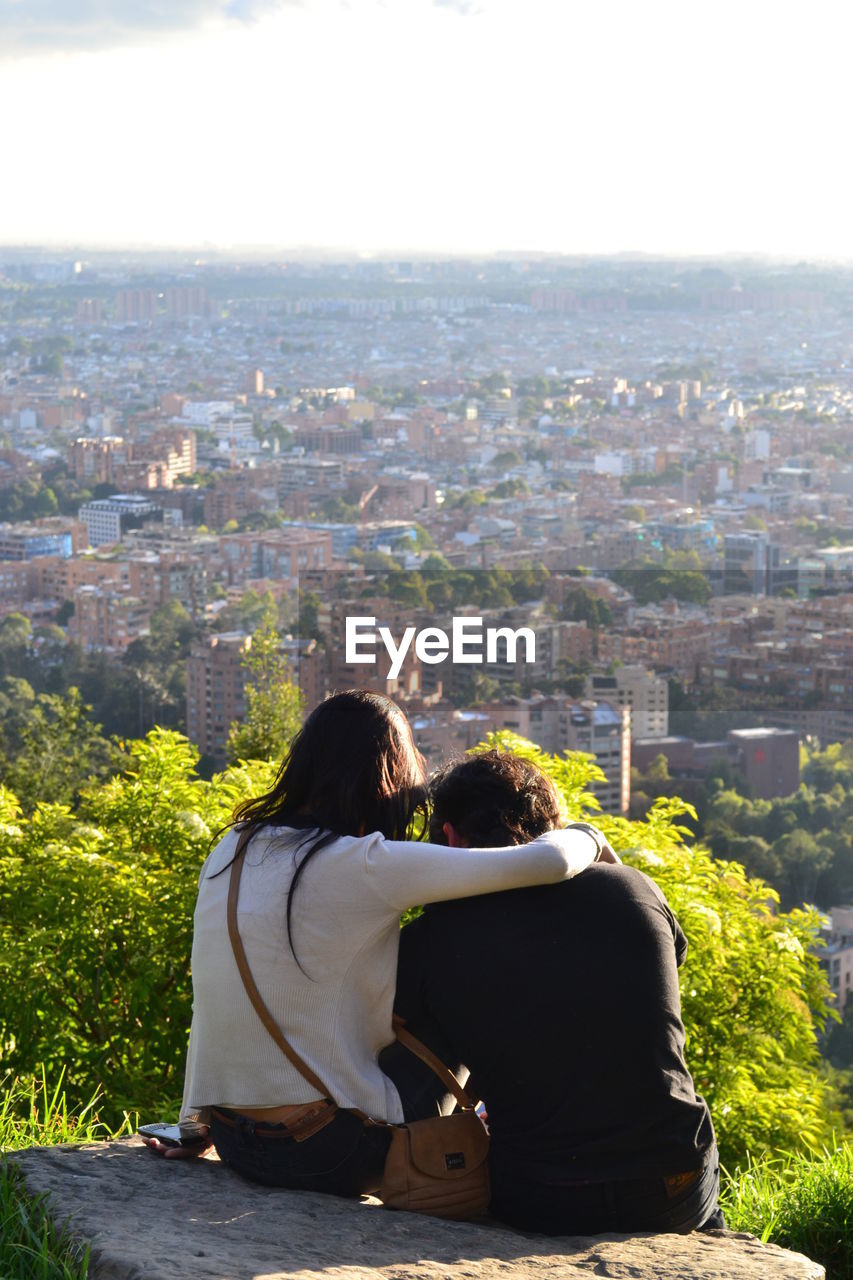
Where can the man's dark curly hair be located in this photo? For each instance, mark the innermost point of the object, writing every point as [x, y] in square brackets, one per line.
[493, 798]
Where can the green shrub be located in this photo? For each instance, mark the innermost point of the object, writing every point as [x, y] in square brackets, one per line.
[96, 924]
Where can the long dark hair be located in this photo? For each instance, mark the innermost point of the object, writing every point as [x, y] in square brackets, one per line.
[352, 769]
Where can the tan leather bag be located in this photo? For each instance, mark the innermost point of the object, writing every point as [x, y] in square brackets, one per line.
[437, 1166]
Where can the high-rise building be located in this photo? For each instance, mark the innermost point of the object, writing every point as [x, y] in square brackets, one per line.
[645, 694]
[745, 563]
[107, 619]
[604, 731]
[185, 300]
[90, 311]
[94, 461]
[175, 446]
[559, 724]
[135, 306]
[216, 679]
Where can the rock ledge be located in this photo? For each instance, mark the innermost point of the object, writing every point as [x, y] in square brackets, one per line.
[149, 1219]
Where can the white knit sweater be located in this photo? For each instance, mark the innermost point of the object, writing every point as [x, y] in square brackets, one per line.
[336, 1009]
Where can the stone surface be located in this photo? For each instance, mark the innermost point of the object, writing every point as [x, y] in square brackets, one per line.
[153, 1219]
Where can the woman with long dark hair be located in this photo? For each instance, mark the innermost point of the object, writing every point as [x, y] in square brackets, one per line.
[327, 871]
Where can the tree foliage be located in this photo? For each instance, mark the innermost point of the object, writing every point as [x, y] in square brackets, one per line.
[436, 587]
[274, 703]
[650, 583]
[96, 923]
[127, 694]
[57, 748]
[580, 605]
[801, 843]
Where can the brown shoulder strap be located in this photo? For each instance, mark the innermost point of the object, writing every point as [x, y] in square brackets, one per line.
[433, 1061]
[249, 982]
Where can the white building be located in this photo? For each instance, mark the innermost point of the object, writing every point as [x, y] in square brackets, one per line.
[106, 519]
[203, 413]
[645, 694]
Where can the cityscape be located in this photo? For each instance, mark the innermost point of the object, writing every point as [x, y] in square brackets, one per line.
[667, 448]
[646, 465]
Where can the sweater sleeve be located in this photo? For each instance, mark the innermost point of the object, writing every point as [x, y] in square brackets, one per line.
[406, 873]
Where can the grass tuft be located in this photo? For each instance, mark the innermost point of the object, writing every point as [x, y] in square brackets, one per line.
[33, 1114]
[801, 1202]
[31, 1247]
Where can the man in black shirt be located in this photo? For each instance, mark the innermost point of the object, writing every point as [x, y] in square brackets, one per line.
[563, 1002]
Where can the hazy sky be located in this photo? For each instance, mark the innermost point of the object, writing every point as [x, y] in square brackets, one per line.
[471, 125]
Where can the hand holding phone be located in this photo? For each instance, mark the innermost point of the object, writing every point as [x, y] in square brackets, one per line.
[171, 1140]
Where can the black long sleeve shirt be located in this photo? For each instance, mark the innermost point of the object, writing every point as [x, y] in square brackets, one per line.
[563, 1001]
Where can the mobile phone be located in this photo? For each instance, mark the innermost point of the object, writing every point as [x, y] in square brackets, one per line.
[171, 1135]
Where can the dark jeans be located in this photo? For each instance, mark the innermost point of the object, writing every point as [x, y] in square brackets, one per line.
[636, 1204]
[347, 1157]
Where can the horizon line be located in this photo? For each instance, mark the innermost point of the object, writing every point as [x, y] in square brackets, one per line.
[234, 250]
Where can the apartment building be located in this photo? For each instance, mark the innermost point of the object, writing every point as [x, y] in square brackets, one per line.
[296, 473]
[558, 725]
[678, 644]
[752, 563]
[108, 620]
[150, 463]
[216, 680]
[183, 301]
[94, 460]
[645, 694]
[14, 586]
[308, 663]
[135, 306]
[175, 447]
[54, 578]
[231, 498]
[330, 439]
[282, 554]
[29, 541]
